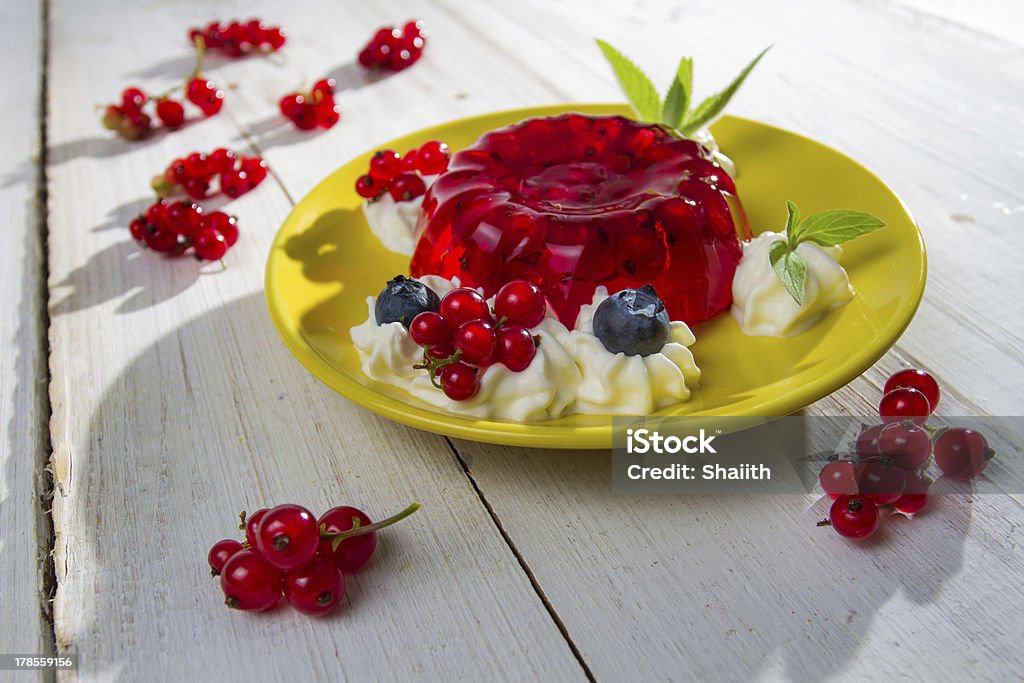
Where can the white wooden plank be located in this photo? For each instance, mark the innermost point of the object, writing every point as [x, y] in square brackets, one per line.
[175, 405]
[23, 534]
[1001, 19]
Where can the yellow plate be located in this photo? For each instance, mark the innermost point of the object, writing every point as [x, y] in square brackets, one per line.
[325, 262]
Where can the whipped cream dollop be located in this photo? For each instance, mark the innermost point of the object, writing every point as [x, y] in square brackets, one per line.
[571, 373]
[617, 384]
[761, 304]
[394, 223]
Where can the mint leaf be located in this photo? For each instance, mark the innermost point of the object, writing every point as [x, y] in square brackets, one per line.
[709, 109]
[792, 221]
[677, 99]
[830, 228]
[790, 268]
[635, 83]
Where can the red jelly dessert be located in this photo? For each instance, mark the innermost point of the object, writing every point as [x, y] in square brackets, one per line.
[574, 202]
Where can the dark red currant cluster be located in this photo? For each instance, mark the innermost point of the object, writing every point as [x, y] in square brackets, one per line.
[400, 176]
[287, 551]
[131, 122]
[395, 49]
[462, 340]
[175, 227]
[887, 469]
[234, 174]
[236, 39]
[313, 109]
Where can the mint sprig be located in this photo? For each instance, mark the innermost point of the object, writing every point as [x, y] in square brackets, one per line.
[826, 229]
[674, 111]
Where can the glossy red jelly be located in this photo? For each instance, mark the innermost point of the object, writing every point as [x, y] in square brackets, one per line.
[574, 202]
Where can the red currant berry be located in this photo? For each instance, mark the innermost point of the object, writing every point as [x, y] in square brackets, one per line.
[133, 99]
[275, 37]
[250, 582]
[354, 552]
[255, 170]
[915, 379]
[430, 329]
[521, 303]
[316, 588]
[516, 347]
[252, 524]
[210, 245]
[838, 478]
[156, 214]
[288, 536]
[175, 173]
[305, 117]
[291, 105]
[915, 498]
[197, 165]
[961, 453]
[477, 341]
[402, 58]
[170, 113]
[459, 381]
[854, 516]
[221, 552]
[409, 160]
[867, 443]
[326, 113]
[462, 305]
[224, 224]
[385, 165]
[367, 187]
[234, 183]
[205, 95]
[196, 188]
[184, 217]
[324, 87]
[880, 482]
[254, 31]
[432, 158]
[905, 445]
[222, 161]
[414, 29]
[138, 228]
[904, 404]
[406, 186]
[368, 57]
[163, 241]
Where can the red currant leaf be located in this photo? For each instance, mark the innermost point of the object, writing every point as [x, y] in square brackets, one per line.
[831, 228]
[677, 99]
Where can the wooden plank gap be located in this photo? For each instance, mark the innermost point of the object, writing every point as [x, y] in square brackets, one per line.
[464, 464]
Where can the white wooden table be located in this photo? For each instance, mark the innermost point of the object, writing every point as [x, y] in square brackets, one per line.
[172, 403]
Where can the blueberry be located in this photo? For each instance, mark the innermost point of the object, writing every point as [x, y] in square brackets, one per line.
[633, 322]
[402, 299]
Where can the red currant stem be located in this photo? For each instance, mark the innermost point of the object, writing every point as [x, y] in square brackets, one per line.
[337, 538]
[241, 520]
[501, 321]
[200, 56]
[433, 366]
[825, 522]
[223, 266]
[989, 454]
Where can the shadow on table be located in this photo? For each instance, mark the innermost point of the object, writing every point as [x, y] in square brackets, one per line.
[801, 604]
[148, 277]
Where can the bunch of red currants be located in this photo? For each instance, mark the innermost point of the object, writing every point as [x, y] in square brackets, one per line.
[287, 551]
[887, 468]
[464, 338]
[402, 175]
